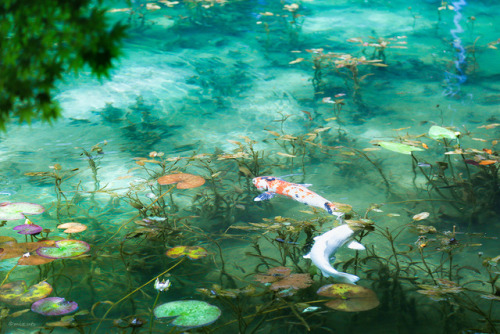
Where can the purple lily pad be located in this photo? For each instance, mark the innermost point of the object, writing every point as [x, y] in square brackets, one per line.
[64, 249]
[28, 229]
[15, 211]
[17, 293]
[471, 162]
[54, 306]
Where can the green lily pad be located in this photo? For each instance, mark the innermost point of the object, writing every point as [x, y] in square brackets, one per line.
[15, 211]
[192, 252]
[398, 147]
[349, 297]
[64, 249]
[17, 293]
[188, 313]
[438, 132]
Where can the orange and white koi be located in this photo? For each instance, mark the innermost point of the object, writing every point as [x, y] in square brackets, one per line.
[299, 192]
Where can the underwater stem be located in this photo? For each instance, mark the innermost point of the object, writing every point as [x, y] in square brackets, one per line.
[133, 292]
[152, 319]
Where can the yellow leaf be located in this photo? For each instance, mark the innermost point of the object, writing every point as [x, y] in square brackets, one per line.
[124, 177]
[286, 155]
[421, 216]
[274, 133]
[489, 126]
[322, 129]
[298, 60]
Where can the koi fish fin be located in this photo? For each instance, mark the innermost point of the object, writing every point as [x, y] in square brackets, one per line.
[307, 185]
[265, 196]
[356, 245]
[330, 207]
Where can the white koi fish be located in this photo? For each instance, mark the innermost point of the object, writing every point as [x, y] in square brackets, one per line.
[299, 192]
[326, 245]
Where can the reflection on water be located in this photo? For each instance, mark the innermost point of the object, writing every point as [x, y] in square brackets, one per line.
[365, 101]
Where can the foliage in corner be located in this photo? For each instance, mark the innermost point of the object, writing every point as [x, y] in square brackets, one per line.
[39, 41]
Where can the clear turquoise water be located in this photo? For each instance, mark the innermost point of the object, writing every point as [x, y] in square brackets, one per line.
[236, 77]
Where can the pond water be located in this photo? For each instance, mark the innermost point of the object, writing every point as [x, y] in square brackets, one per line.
[387, 110]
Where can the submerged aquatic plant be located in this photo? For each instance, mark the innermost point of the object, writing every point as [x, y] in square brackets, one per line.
[343, 65]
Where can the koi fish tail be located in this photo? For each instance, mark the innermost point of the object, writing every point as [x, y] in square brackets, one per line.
[339, 276]
[347, 278]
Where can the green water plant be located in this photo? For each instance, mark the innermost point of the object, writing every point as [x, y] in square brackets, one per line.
[379, 45]
[64, 249]
[399, 147]
[188, 313]
[331, 65]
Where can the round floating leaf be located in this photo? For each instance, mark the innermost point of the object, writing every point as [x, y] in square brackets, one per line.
[421, 216]
[15, 211]
[72, 227]
[7, 240]
[349, 297]
[183, 180]
[28, 229]
[438, 132]
[192, 252]
[64, 249]
[54, 306]
[13, 249]
[398, 147]
[33, 260]
[188, 313]
[17, 293]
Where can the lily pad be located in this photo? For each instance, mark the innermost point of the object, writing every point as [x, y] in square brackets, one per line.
[12, 249]
[349, 297]
[398, 147]
[438, 132]
[33, 259]
[72, 227]
[188, 313]
[27, 229]
[192, 252]
[64, 249]
[183, 180]
[54, 306]
[15, 211]
[17, 293]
